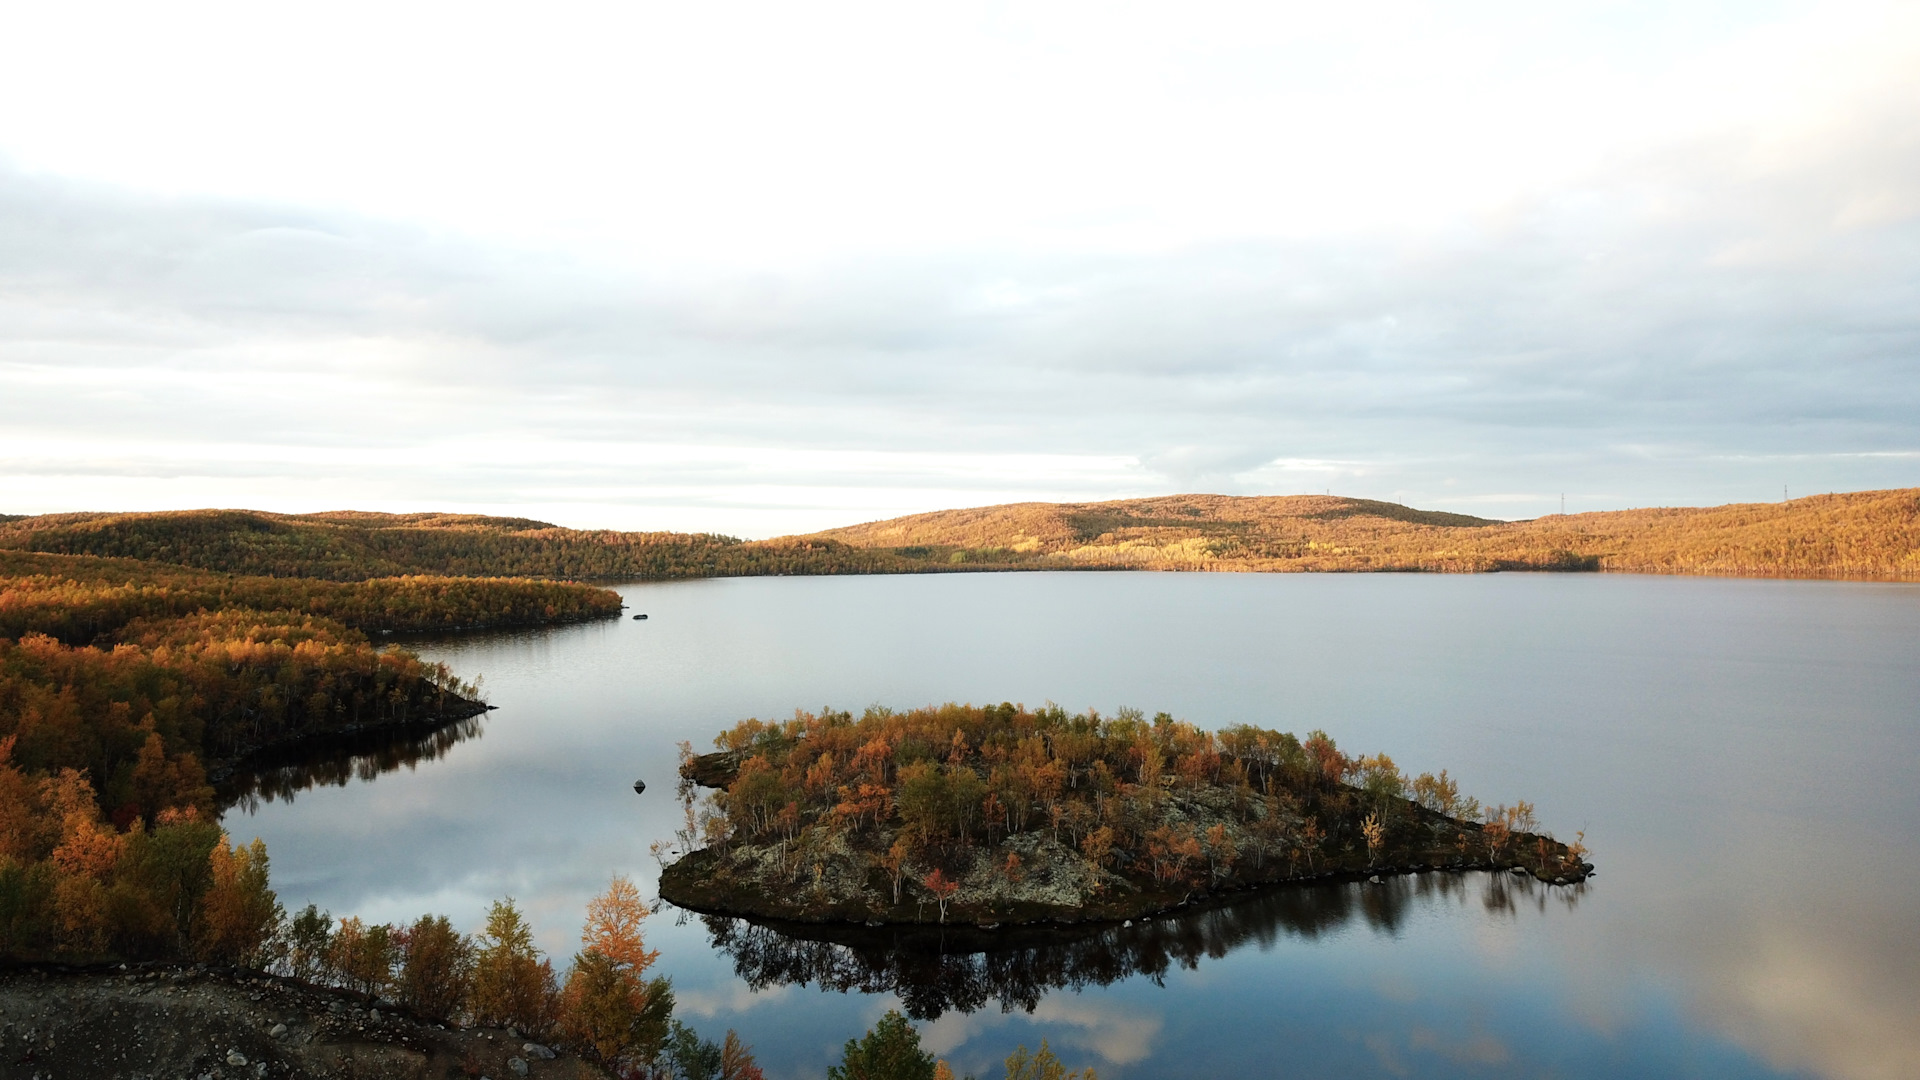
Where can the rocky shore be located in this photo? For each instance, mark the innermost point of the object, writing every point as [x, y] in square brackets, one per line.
[1055, 888]
[154, 1021]
[1182, 843]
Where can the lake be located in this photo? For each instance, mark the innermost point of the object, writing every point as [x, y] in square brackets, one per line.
[1741, 754]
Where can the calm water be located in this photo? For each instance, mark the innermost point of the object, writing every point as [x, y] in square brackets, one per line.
[1743, 757]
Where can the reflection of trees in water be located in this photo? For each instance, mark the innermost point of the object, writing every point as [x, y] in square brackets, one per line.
[958, 970]
[279, 775]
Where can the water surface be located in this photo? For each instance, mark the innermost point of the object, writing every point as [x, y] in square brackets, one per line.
[1740, 754]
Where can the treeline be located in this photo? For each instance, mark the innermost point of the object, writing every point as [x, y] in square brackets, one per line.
[1870, 534]
[79, 599]
[355, 547]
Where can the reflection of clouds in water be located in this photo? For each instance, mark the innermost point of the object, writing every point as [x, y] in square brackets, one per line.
[955, 1029]
[1118, 1034]
[1385, 1048]
[1395, 986]
[1400, 1056]
[1474, 1047]
[734, 998]
[1844, 1007]
[1756, 890]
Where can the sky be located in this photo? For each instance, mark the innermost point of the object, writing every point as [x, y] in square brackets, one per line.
[768, 268]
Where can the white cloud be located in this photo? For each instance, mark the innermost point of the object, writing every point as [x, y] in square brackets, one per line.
[635, 265]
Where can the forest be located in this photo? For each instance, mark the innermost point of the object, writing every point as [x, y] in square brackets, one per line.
[126, 685]
[997, 815]
[1867, 534]
[359, 546]
[142, 676]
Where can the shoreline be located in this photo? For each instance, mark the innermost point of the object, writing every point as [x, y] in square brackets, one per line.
[297, 750]
[1092, 917]
[962, 937]
[175, 1019]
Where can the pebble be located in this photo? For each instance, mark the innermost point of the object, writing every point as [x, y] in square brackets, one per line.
[277, 1031]
[374, 1015]
[236, 1058]
[538, 1051]
[518, 1065]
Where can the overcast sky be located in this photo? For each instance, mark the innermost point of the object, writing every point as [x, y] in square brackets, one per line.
[767, 268]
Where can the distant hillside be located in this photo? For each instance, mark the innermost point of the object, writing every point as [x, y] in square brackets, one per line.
[1868, 534]
[353, 546]
[1863, 534]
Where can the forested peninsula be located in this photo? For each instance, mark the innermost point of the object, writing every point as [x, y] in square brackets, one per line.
[1000, 815]
[129, 688]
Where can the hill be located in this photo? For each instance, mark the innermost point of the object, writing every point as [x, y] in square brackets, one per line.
[1868, 534]
[353, 546]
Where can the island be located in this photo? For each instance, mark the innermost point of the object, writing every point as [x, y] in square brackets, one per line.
[995, 816]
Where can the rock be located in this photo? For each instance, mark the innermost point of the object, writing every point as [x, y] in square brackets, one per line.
[538, 1051]
[236, 1059]
[513, 1033]
[517, 1065]
[374, 1015]
[1375, 880]
[278, 1031]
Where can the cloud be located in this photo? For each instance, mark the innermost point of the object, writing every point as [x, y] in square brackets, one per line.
[1709, 296]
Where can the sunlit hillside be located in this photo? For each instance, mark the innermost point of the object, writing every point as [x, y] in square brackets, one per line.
[353, 546]
[1861, 534]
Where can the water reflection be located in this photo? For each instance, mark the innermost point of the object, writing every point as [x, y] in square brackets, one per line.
[1741, 755]
[935, 971]
[280, 774]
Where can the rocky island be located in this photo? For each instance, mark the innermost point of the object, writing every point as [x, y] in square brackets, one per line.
[999, 815]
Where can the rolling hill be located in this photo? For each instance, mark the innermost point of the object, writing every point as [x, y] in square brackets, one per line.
[354, 546]
[1868, 534]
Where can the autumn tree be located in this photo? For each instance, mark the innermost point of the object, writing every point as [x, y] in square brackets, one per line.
[239, 913]
[1042, 1065]
[512, 983]
[890, 1050]
[361, 957]
[606, 992]
[736, 1060]
[309, 936]
[436, 967]
[1221, 852]
[895, 862]
[942, 887]
[1376, 833]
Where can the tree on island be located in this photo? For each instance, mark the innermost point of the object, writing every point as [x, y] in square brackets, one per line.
[942, 889]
